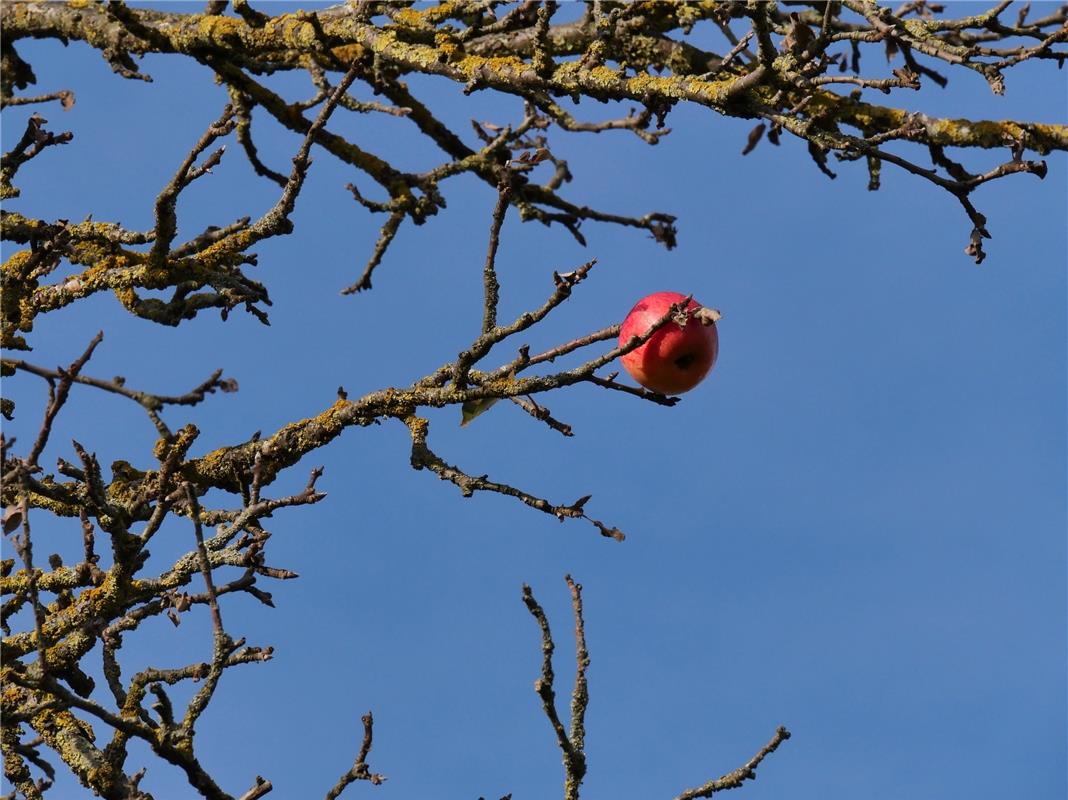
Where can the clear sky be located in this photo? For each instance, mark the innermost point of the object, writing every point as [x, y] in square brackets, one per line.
[855, 527]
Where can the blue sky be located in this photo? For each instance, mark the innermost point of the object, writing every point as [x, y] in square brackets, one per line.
[855, 527]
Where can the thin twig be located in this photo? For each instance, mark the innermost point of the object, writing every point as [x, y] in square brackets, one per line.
[166, 220]
[205, 564]
[59, 397]
[152, 403]
[24, 547]
[580, 695]
[491, 287]
[732, 780]
[359, 770]
[422, 457]
[571, 746]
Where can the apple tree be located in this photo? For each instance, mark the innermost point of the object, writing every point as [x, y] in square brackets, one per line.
[826, 76]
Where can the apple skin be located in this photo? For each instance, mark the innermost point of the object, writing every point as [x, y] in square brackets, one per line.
[675, 359]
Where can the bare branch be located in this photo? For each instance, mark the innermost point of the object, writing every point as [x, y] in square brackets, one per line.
[33, 141]
[359, 770]
[571, 745]
[152, 403]
[424, 458]
[166, 220]
[58, 397]
[733, 780]
[491, 287]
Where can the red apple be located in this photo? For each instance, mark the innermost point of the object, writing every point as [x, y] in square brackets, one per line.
[676, 358]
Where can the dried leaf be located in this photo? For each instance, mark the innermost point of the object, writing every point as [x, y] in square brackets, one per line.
[475, 408]
[609, 532]
[12, 518]
[707, 316]
[975, 246]
[819, 155]
[799, 36]
[753, 139]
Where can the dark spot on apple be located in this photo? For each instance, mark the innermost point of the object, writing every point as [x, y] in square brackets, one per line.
[684, 361]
